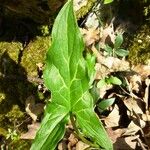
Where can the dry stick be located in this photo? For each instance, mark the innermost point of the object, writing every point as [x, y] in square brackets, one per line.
[141, 144]
[79, 135]
[131, 94]
[17, 126]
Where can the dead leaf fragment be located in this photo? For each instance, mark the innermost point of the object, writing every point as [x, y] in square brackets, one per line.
[142, 70]
[90, 35]
[113, 118]
[79, 4]
[115, 134]
[81, 146]
[134, 127]
[136, 105]
[147, 94]
[72, 141]
[32, 109]
[135, 83]
[126, 143]
[32, 129]
[107, 32]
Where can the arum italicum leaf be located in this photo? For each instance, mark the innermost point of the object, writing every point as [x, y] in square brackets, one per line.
[66, 76]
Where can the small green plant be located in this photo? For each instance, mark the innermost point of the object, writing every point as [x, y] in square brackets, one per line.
[68, 75]
[116, 50]
[104, 104]
[109, 80]
[12, 134]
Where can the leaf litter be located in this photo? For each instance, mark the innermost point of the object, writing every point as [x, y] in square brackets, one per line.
[134, 96]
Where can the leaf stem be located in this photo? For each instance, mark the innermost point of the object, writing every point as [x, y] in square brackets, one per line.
[79, 135]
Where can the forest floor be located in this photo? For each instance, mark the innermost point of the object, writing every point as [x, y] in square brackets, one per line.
[123, 85]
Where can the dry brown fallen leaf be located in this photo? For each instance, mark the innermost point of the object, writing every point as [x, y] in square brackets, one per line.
[134, 127]
[135, 83]
[90, 35]
[81, 146]
[101, 71]
[72, 141]
[107, 33]
[126, 143]
[32, 129]
[113, 118]
[32, 109]
[147, 93]
[79, 4]
[146, 117]
[115, 134]
[103, 90]
[106, 65]
[136, 105]
[142, 70]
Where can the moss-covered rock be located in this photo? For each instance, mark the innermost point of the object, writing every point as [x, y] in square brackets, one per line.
[139, 49]
[83, 10]
[35, 53]
[13, 48]
[14, 114]
[42, 12]
[14, 85]
[39, 11]
[20, 145]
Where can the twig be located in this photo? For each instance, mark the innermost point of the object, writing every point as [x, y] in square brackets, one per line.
[79, 135]
[141, 144]
[131, 94]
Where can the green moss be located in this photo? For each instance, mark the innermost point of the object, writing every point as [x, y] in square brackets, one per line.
[12, 47]
[14, 88]
[3, 132]
[85, 9]
[2, 97]
[35, 53]
[139, 49]
[44, 30]
[2, 118]
[15, 114]
[20, 145]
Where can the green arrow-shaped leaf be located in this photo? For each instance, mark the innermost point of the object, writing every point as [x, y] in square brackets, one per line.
[66, 76]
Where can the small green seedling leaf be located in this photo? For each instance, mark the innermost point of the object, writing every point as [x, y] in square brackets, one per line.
[104, 104]
[118, 41]
[114, 80]
[108, 1]
[101, 83]
[66, 75]
[108, 49]
[95, 93]
[121, 52]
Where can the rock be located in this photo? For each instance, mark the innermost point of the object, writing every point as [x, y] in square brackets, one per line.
[35, 53]
[38, 10]
[139, 49]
